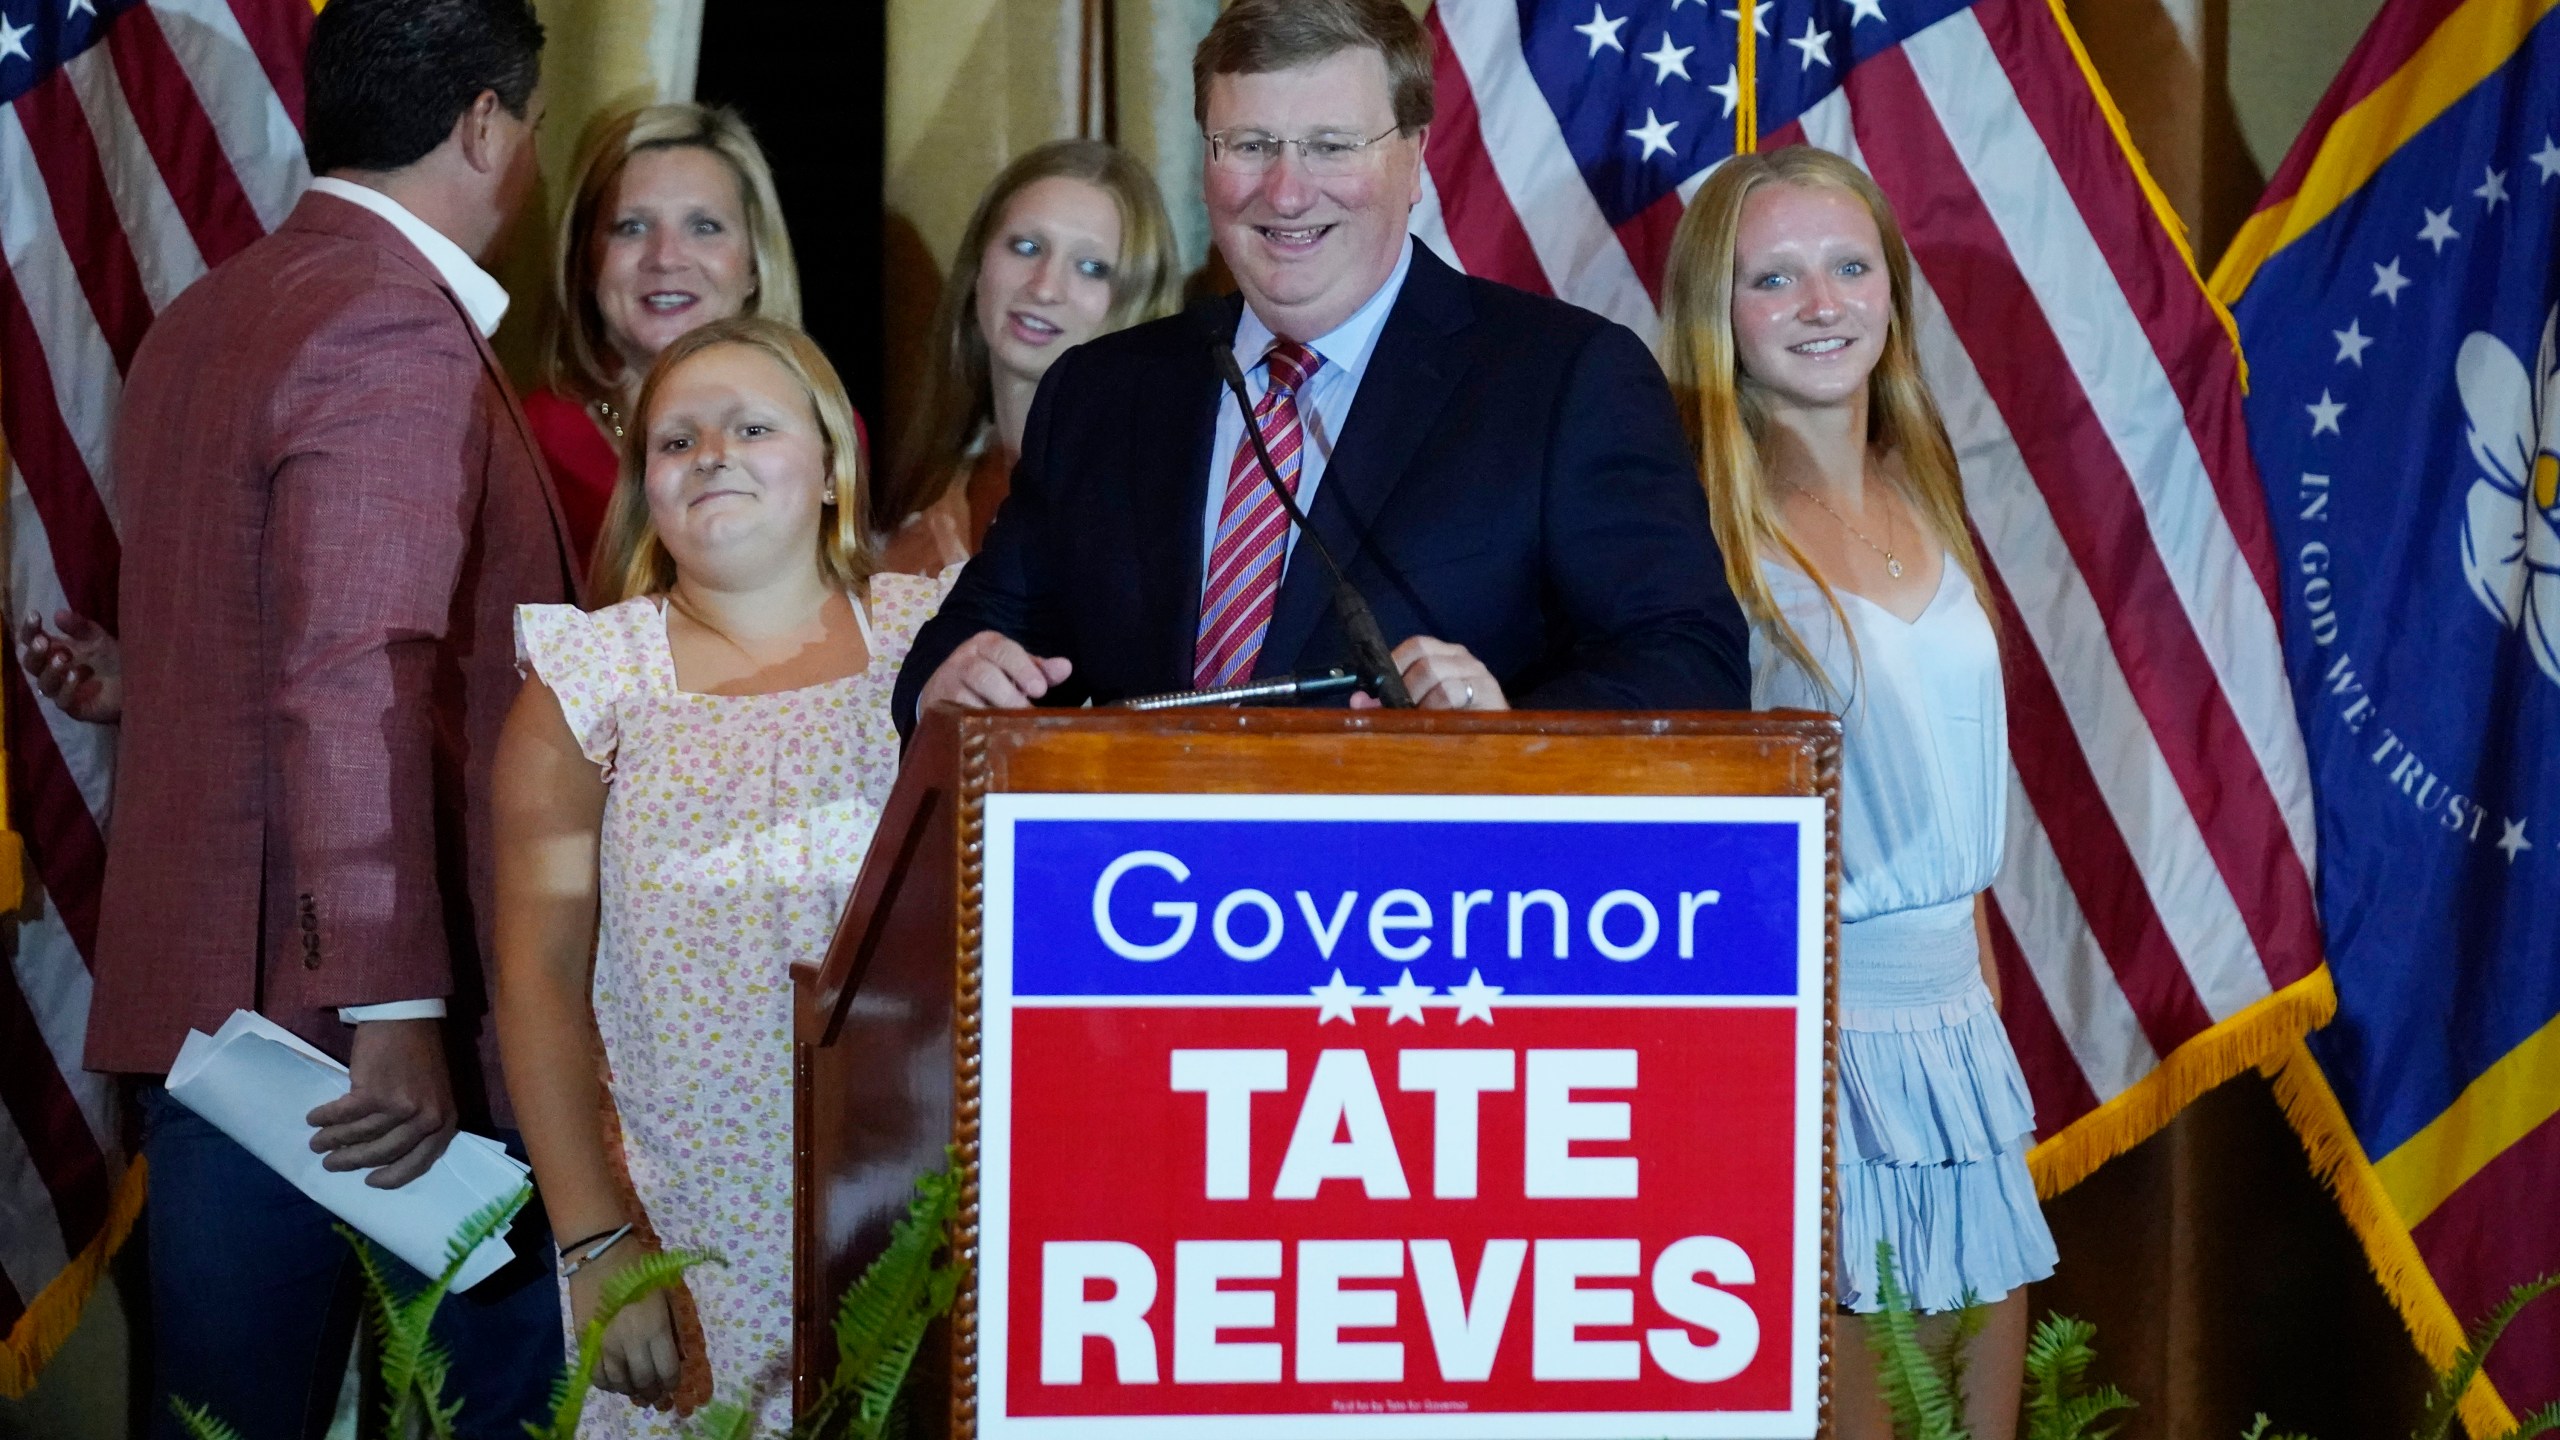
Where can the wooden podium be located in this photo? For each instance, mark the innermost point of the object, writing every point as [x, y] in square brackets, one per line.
[887, 1039]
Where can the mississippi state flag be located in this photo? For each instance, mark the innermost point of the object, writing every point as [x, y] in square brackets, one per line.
[2400, 291]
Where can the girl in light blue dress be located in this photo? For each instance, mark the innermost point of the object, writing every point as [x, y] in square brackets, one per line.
[1841, 516]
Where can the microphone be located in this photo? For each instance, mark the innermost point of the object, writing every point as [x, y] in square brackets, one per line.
[1369, 656]
[1252, 692]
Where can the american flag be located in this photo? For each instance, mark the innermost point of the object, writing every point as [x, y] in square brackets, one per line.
[140, 144]
[2153, 923]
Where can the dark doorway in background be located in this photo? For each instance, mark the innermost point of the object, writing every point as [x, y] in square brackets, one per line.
[810, 79]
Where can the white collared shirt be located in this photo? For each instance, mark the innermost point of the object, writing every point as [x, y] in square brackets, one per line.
[1323, 408]
[482, 297]
[485, 301]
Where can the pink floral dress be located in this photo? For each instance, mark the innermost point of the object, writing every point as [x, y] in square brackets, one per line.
[733, 828]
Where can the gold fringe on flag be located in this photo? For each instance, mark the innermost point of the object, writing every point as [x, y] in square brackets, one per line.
[2160, 206]
[2257, 1036]
[55, 1311]
[2338, 1158]
[1746, 79]
[13, 851]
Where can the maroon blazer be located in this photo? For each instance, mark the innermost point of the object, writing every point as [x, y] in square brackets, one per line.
[330, 508]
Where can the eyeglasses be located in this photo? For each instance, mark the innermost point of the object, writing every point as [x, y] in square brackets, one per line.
[1251, 152]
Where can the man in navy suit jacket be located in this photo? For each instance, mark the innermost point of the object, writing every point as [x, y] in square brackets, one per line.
[1501, 475]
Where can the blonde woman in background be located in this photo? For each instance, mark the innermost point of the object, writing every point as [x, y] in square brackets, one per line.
[1841, 515]
[686, 788]
[1070, 241]
[672, 223]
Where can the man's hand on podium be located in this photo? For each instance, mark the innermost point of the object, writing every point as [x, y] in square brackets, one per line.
[1441, 676]
[992, 672]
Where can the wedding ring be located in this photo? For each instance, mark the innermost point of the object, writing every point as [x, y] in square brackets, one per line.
[1470, 701]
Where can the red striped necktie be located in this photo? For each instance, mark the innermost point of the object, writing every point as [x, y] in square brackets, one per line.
[1244, 560]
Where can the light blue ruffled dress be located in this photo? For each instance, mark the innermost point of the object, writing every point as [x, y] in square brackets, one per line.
[1934, 1116]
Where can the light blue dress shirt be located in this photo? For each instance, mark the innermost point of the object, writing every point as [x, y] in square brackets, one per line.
[1323, 410]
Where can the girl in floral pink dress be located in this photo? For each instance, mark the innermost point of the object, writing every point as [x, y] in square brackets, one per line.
[686, 790]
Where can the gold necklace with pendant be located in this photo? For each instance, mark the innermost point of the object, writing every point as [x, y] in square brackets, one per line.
[1892, 566]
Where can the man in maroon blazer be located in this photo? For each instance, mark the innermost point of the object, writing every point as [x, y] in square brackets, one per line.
[330, 509]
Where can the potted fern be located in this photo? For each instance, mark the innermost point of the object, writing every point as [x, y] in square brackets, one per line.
[1923, 1386]
[879, 1326]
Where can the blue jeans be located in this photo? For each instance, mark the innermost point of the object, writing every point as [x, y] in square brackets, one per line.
[254, 1298]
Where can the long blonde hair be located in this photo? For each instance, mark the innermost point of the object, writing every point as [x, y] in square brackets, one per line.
[958, 389]
[578, 360]
[1726, 412]
[631, 559]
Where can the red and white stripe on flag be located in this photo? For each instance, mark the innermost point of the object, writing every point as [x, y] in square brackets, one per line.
[155, 141]
[2153, 922]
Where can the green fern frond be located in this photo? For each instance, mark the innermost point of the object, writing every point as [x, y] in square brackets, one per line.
[648, 1275]
[2445, 1403]
[2258, 1431]
[413, 1370]
[1922, 1403]
[644, 1276]
[723, 1420]
[483, 1225]
[2058, 1358]
[884, 1316]
[894, 1285]
[2540, 1422]
[880, 1388]
[1953, 1353]
[2059, 1404]
[199, 1422]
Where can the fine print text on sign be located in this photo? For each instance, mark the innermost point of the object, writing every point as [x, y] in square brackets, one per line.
[1353, 1116]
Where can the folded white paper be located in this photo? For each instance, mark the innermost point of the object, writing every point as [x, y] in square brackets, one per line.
[254, 1080]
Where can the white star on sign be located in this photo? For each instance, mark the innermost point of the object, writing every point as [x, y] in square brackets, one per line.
[1815, 43]
[1866, 10]
[2547, 160]
[2439, 228]
[1654, 134]
[1730, 90]
[1475, 998]
[1404, 999]
[2324, 416]
[2388, 282]
[2493, 189]
[1670, 60]
[76, 7]
[1601, 31]
[2351, 344]
[1759, 16]
[1333, 1000]
[2514, 841]
[13, 40]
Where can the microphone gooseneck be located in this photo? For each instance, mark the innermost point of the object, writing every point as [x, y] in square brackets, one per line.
[1370, 658]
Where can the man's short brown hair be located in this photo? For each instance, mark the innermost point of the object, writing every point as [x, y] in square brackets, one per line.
[1256, 37]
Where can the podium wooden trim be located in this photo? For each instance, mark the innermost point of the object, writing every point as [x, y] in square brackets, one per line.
[886, 1030]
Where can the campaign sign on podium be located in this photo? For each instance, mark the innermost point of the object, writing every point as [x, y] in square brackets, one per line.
[1385, 1116]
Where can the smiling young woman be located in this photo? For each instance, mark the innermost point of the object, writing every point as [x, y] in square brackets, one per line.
[1840, 512]
[688, 783]
[672, 223]
[1070, 241]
